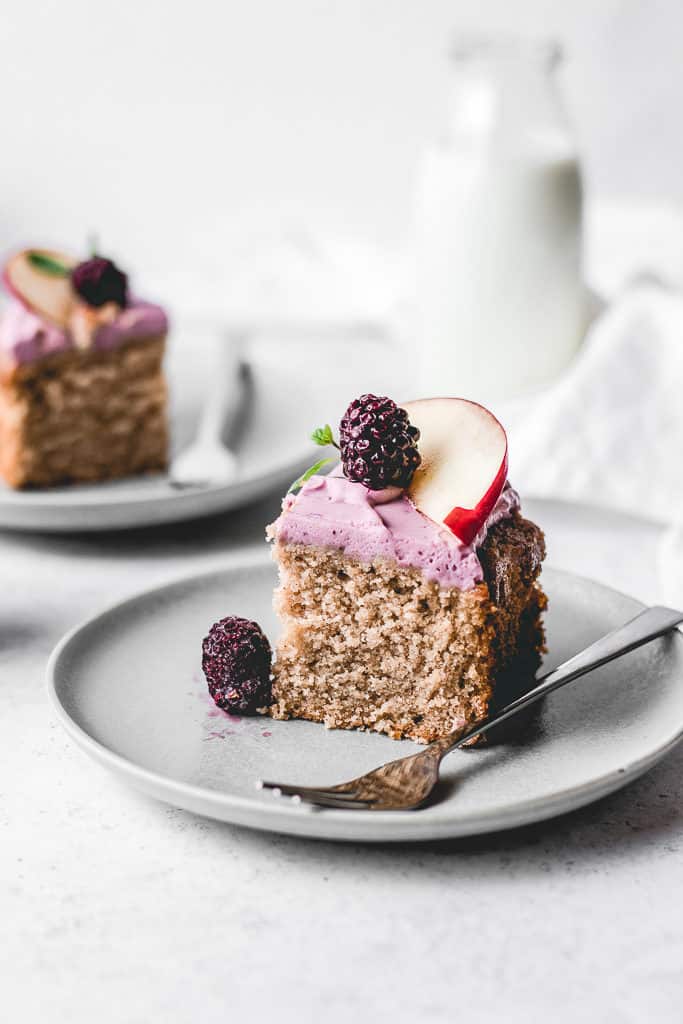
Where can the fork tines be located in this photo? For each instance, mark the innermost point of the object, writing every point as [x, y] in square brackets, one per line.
[332, 797]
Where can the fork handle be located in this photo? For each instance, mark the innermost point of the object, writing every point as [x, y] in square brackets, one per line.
[646, 626]
[224, 390]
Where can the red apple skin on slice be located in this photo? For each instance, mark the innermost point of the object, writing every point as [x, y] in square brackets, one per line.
[464, 465]
[466, 523]
[44, 294]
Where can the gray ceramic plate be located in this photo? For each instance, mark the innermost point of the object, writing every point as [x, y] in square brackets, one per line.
[291, 396]
[127, 686]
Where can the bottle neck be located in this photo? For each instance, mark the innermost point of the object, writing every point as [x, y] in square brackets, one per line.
[506, 99]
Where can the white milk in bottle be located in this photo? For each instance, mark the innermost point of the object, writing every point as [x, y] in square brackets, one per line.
[500, 300]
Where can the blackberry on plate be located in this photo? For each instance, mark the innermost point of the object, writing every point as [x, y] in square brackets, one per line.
[98, 281]
[236, 659]
[378, 443]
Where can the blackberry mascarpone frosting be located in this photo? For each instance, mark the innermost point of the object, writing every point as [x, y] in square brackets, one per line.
[26, 337]
[333, 512]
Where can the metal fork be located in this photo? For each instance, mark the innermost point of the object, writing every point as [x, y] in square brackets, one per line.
[207, 459]
[407, 783]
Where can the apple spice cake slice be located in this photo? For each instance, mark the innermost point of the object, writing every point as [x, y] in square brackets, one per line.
[392, 620]
[82, 390]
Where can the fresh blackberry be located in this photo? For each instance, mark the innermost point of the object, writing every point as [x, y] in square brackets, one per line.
[98, 281]
[378, 443]
[236, 659]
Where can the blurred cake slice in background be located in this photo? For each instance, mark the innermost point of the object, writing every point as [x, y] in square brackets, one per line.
[409, 593]
[82, 391]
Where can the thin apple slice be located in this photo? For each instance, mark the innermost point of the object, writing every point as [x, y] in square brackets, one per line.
[464, 463]
[40, 290]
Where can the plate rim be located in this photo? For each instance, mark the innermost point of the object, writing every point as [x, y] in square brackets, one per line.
[146, 511]
[285, 818]
[60, 498]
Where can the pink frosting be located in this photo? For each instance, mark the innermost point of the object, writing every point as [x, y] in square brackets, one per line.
[331, 511]
[25, 337]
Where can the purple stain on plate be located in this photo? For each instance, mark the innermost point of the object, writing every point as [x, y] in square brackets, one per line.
[213, 711]
[219, 735]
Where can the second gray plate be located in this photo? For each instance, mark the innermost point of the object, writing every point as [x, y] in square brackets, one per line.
[292, 394]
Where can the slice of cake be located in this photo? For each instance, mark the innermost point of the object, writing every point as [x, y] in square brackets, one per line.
[409, 593]
[82, 391]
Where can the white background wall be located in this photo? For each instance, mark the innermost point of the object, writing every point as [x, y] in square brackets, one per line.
[178, 128]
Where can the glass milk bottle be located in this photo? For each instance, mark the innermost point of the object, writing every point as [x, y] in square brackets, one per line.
[500, 301]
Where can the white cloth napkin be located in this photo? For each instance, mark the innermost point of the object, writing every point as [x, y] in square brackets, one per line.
[670, 567]
[610, 432]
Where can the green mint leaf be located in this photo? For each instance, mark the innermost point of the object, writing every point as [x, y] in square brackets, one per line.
[48, 265]
[308, 474]
[93, 245]
[323, 436]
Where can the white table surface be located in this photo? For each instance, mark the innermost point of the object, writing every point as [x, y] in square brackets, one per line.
[118, 909]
